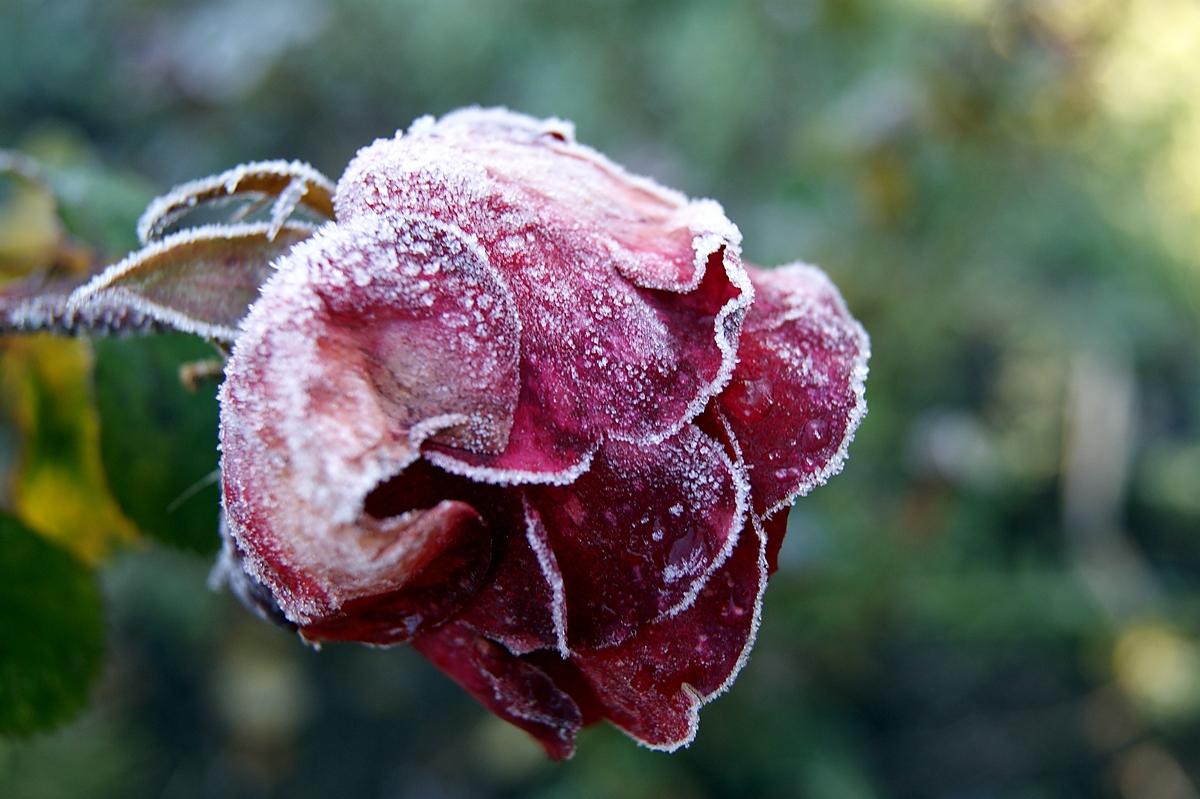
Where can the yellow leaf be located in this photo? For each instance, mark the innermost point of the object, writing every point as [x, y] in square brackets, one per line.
[29, 228]
[57, 484]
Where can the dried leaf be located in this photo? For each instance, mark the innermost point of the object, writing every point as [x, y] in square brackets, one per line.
[198, 281]
[293, 184]
[39, 304]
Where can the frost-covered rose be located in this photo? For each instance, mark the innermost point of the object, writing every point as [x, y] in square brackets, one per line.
[525, 411]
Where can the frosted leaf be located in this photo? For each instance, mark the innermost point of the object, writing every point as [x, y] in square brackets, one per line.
[352, 358]
[798, 392]
[34, 305]
[638, 535]
[293, 183]
[513, 688]
[198, 281]
[631, 297]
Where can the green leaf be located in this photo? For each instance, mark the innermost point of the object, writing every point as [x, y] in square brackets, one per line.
[51, 631]
[158, 441]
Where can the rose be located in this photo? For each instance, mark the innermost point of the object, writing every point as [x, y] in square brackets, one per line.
[515, 406]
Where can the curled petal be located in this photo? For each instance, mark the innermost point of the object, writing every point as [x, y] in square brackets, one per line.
[514, 689]
[630, 296]
[355, 355]
[798, 392]
[455, 568]
[636, 537]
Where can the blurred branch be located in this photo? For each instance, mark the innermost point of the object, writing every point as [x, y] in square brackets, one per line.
[1099, 432]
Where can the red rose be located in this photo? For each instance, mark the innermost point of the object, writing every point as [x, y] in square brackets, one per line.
[517, 407]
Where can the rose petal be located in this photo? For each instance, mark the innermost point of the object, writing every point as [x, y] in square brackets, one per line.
[458, 563]
[637, 535]
[630, 296]
[515, 690]
[523, 606]
[367, 341]
[797, 394]
[653, 685]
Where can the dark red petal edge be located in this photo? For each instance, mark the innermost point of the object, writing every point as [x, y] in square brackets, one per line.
[434, 593]
[799, 390]
[653, 686]
[514, 689]
[523, 606]
[375, 183]
[636, 538]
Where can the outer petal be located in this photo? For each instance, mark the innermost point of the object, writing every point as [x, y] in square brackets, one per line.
[798, 392]
[637, 536]
[653, 685]
[630, 296]
[369, 339]
[514, 689]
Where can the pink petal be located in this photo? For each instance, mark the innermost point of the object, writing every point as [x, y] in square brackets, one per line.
[637, 536]
[630, 296]
[653, 685]
[797, 394]
[368, 340]
[514, 689]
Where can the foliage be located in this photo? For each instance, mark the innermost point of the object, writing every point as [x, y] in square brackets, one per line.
[158, 438]
[51, 626]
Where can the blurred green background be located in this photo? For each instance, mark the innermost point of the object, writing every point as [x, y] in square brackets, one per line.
[999, 597]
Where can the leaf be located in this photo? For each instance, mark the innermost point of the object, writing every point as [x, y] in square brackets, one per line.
[41, 264]
[51, 631]
[30, 230]
[58, 484]
[33, 240]
[292, 183]
[198, 281]
[158, 440]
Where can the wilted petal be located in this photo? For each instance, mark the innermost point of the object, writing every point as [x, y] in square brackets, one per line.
[514, 689]
[798, 392]
[199, 281]
[370, 339]
[630, 296]
[637, 535]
